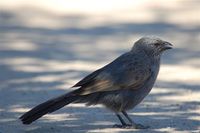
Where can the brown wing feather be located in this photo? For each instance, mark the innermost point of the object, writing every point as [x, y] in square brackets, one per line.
[108, 84]
[121, 77]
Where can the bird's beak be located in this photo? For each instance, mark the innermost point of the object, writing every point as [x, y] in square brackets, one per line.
[166, 46]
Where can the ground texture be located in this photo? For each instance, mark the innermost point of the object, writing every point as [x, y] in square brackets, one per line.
[47, 46]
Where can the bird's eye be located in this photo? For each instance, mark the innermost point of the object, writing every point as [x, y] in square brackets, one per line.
[156, 44]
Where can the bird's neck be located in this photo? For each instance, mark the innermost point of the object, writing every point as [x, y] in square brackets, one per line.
[151, 55]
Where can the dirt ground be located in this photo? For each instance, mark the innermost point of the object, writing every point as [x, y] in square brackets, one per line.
[47, 46]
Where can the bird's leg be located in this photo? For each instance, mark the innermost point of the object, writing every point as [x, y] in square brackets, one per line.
[129, 119]
[121, 120]
[132, 123]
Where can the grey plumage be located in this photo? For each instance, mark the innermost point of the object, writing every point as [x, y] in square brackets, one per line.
[119, 86]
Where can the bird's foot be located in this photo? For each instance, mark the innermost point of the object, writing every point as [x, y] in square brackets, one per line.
[131, 126]
[140, 126]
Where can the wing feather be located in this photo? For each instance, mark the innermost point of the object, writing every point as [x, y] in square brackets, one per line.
[125, 74]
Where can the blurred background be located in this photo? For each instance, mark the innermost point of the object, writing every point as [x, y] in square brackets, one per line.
[46, 46]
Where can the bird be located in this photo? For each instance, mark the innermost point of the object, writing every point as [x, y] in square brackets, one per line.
[119, 86]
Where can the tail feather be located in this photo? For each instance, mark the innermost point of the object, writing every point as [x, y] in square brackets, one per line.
[47, 107]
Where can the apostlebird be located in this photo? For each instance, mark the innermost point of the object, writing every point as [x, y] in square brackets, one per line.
[119, 85]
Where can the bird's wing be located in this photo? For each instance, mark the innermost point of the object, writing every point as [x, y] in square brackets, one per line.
[88, 79]
[115, 76]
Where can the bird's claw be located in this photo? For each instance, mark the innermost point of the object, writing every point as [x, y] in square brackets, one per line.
[131, 126]
[122, 126]
[140, 126]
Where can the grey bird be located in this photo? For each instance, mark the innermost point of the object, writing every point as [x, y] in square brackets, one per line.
[119, 86]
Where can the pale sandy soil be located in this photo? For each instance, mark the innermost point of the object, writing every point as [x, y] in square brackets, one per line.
[46, 46]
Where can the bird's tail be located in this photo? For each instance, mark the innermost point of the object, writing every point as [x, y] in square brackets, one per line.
[48, 107]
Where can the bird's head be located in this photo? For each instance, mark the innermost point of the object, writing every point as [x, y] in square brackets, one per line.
[152, 45]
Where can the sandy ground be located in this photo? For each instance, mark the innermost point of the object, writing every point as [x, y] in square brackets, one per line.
[47, 46]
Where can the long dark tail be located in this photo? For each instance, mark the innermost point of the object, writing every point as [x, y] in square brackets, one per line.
[48, 107]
